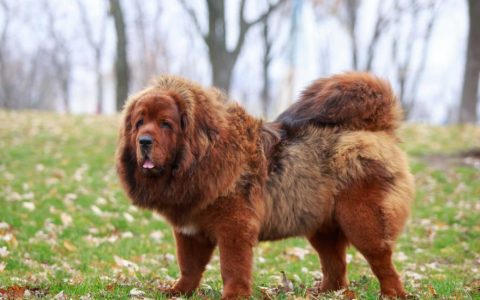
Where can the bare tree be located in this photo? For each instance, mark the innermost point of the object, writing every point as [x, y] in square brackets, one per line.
[152, 57]
[221, 58]
[5, 91]
[469, 101]
[122, 70]
[269, 36]
[97, 46]
[407, 74]
[266, 60]
[351, 21]
[27, 79]
[61, 57]
[347, 11]
[404, 41]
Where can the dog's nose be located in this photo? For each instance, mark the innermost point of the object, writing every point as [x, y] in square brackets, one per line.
[145, 140]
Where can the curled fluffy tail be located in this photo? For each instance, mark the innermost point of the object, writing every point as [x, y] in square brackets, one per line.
[351, 101]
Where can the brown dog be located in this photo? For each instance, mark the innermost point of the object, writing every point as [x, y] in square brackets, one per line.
[328, 169]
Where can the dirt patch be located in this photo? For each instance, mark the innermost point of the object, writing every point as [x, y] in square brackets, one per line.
[468, 158]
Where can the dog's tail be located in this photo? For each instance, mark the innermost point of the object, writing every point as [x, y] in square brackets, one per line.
[351, 101]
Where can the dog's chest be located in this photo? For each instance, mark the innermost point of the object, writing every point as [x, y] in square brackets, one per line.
[188, 229]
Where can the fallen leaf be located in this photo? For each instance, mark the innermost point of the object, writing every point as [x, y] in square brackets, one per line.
[127, 234]
[66, 219]
[97, 210]
[157, 235]
[169, 257]
[136, 292]
[128, 217]
[28, 196]
[4, 226]
[70, 197]
[86, 297]
[475, 285]
[432, 291]
[287, 285]
[60, 296]
[349, 294]
[15, 292]
[29, 205]
[101, 201]
[125, 263]
[400, 256]
[69, 246]
[4, 252]
[297, 252]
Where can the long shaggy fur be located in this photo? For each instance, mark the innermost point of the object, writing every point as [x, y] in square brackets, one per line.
[328, 169]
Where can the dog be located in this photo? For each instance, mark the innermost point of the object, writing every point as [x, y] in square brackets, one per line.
[328, 168]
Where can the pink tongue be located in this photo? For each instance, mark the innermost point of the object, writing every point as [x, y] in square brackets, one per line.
[148, 164]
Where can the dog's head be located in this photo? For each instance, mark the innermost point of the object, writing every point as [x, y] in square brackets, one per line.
[167, 128]
[156, 125]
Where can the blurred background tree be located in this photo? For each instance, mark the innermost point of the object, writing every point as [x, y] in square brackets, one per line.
[86, 56]
[469, 100]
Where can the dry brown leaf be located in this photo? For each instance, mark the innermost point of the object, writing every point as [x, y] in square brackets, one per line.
[287, 285]
[297, 253]
[13, 292]
[2, 266]
[350, 295]
[432, 291]
[69, 246]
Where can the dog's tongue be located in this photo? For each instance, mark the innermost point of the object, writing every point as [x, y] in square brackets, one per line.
[148, 164]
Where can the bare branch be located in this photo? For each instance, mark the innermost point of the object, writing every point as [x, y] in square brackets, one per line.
[245, 25]
[265, 15]
[427, 37]
[193, 15]
[380, 26]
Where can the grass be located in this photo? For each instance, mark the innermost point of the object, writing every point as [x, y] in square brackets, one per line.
[66, 228]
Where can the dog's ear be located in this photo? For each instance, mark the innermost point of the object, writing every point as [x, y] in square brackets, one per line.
[126, 119]
[125, 158]
[271, 136]
[183, 121]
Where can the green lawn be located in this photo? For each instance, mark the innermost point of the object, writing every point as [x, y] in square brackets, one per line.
[66, 228]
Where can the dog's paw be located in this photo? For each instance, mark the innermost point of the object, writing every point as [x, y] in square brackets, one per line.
[181, 287]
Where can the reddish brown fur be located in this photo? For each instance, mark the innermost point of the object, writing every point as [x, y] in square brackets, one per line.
[328, 169]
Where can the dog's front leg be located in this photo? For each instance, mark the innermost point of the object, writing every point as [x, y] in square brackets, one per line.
[193, 254]
[236, 257]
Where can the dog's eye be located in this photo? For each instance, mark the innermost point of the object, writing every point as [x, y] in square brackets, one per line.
[139, 123]
[166, 125]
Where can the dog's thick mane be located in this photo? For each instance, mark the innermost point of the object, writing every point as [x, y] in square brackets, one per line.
[203, 153]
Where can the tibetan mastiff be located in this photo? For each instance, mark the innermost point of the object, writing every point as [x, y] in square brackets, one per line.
[328, 168]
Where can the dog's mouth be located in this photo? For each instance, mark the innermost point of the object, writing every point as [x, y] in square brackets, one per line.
[148, 167]
[148, 164]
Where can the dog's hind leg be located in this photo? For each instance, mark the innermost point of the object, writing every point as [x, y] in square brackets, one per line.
[331, 248]
[366, 222]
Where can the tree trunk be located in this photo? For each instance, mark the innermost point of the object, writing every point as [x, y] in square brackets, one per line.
[222, 70]
[267, 45]
[122, 72]
[221, 58]
[352, 13]
[468, 105]
[98, 72]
